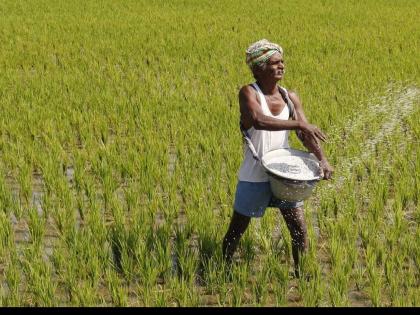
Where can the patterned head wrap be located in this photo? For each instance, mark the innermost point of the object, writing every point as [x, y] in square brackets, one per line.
[259, 52]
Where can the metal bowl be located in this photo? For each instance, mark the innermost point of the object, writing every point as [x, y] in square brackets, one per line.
[287, 186]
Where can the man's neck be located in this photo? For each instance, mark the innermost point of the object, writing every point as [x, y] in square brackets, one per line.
[268, 88]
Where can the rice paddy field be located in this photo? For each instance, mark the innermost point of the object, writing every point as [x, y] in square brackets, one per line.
[120, 146]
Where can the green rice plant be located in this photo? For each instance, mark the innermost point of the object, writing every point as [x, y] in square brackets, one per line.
[80, 262]
[13, 277]
[38, 276]
[119, 243]
[211, 274]
[339, 277]
[85, 294]
[359, 274]
[338, 289]
[284, 243]
[392, 276]
[224, 295]
[413, 297]
[7, 202]
[186, 258]
[6, 236]
[310, 283]
[58, 261]
[36, 224]
[150, 137]
[145, 294]
[146, 264]
[131, 198]
[161, 298]
[109, 184]
[375, 278]
[312, 290]
[25, 181]
[97, 234]
[222, 281]
[183, 294]
[261, 286]
[116, 288]
[209, 246]
[80, 206]
[89, 190]
[237, 298]
[2, 296]
[238, 282]
[164, 259]
[401, 301]
[280, 279]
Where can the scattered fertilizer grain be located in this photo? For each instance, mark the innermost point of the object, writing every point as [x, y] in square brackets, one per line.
[295, 167]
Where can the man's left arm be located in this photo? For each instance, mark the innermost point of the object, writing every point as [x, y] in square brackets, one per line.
[312, 145]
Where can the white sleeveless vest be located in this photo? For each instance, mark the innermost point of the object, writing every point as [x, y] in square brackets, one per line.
[263, 141]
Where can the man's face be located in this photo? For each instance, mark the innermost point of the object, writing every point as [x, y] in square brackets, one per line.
[274, 68]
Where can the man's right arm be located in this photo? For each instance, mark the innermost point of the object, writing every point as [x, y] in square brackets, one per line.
[253, 116]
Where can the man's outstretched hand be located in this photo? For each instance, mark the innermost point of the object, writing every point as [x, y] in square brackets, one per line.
[311, 132]
[310, 136]
[326, 169]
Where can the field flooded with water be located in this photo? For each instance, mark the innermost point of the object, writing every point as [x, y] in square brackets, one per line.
[120, 147]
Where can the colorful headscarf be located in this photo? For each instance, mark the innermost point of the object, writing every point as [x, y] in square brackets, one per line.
[260, 52]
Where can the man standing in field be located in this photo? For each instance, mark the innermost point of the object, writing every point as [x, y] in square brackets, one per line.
[265, 118]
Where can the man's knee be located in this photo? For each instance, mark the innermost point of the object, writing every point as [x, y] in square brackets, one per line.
[293, 215]
[295, 221]
[240, 218]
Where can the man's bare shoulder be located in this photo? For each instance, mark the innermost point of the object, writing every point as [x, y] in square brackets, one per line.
[293, 94]
[247, 92]
[246, 89]
[294, 97]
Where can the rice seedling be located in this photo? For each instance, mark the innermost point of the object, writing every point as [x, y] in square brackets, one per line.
[119, 150]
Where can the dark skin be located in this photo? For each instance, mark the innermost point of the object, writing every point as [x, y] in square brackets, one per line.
[310, 135]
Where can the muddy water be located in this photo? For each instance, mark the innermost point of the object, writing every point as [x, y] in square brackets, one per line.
[20, 226]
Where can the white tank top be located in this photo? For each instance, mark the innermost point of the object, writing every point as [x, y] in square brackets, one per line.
[263, 141]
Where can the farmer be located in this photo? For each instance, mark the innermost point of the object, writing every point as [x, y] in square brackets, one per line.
[265, 118]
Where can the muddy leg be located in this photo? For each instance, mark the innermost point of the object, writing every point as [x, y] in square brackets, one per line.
[237, 227]
[295, 222]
